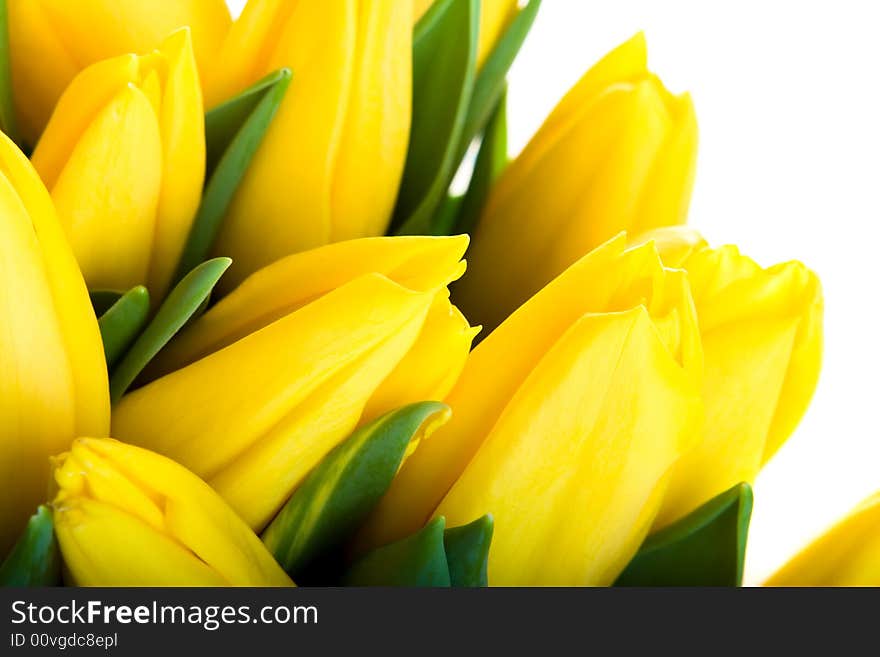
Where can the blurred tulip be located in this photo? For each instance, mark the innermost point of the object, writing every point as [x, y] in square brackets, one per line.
[848, 554]
[617, 153]
[495, 17]
[124, 159]
[285, 367]
[330, 165]
[762, 339]
[566, 421]
[53, 380]
[53, 40]
[127, 517]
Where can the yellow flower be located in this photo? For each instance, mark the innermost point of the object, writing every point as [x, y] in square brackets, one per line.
[124, 159]
[762, 339]
[53, 380]
[566, 421]
[617, 153]
[53, 40]
[848, 554]
[285, 367]
[127, 517]
[331, 162]
[495, 17]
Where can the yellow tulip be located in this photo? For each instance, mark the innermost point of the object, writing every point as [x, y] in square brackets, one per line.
[617, 153]
[495, 17]
[124, 158]
[285, 367]
[53, 40]
[125, 516]
[848, 554]
[53, 380]
[566, 421]
[762, 339]
[331, 162]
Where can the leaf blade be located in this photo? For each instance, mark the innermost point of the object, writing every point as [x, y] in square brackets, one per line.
[335, 498]
[234, 132]
[181, 303]
[705, 548]
[35, 559]
[122, 322]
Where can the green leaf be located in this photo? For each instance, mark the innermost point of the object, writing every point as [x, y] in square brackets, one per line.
[705, 548]
[444, 62]
[233, 132]
[467, 552]
[123, 321]
[418, 560]
[491, 161]
[184, 300]
[339, 493]
[490, 83]
[34, 561]
[103, 300]
[7, 105]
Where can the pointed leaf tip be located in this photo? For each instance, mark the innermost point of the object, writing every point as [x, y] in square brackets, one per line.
[35, 559]
[705, 548]
[467, 552]
[340, 492]
[418, 560]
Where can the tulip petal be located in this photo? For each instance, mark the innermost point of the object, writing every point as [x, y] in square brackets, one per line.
[338, 494]
[418, 560]
[8, 123]
[34, 561]
[182, 126]
[418, 263]
[232, 163]
[705, 548]
[572, 422]
[277, 425]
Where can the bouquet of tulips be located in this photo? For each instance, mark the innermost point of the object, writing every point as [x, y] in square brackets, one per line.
[239, 345]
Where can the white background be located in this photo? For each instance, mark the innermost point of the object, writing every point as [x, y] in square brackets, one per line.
[788, 99]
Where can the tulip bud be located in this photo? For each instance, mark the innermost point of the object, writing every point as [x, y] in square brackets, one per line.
[848, 554]
[617, 153]
[566, 420]
[495, 17]
[124, 159]
[53, 40]
[53, 380]
[125, 516]
[285, 367]
[330, 164]
[762, 339]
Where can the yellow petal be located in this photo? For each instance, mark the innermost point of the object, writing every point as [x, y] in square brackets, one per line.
[495, 17]
[60, 390]
[846, 555]
[106, 195]
[307, 379]
[606, 280]
[347, 105]
[300, 147]
[431, 367]
[594, 427]
[180, 523]
[418, 263]
[377, 121]
[182, 127]
[54, 39]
